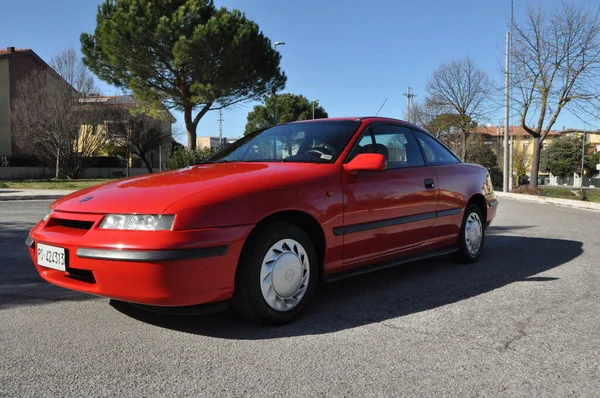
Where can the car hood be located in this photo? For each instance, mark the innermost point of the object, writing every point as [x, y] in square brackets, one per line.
[153, 193]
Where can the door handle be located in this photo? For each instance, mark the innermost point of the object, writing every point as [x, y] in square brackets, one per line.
[429, 183]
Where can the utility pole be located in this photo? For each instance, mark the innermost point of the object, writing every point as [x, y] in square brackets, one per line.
[409, 96]
[220, 128]
[505, 179]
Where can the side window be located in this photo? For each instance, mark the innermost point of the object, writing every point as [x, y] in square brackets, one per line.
[435, 152]
[398, 145]
[364, 141]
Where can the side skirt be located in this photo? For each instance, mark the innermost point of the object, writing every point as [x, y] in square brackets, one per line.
[388, 264]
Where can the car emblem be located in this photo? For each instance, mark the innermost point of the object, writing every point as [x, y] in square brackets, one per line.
[86, 199]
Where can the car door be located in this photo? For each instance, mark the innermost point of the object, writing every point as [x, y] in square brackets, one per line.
[391, 210]
[451, 176]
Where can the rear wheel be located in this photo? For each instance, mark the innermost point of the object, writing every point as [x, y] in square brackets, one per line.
[277, 274]
[472, 236]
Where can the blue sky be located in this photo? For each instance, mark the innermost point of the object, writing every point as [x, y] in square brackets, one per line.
[351, 55]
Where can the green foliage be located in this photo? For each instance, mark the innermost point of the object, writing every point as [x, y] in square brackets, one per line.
[479, 153]
[290, 108]
[591, 160]
[184, 53]
[183, 157]
[562, 158]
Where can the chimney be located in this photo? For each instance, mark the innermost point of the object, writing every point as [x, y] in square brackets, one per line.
[10, 50]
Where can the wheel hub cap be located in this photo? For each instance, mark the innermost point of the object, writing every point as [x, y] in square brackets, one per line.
[473, 233]
[284, 275]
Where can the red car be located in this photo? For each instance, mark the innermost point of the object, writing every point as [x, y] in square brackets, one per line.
[260, 223]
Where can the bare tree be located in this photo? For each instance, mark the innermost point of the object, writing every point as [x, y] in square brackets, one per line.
[69, 66]
[139, 132]
[462, 89]
[556, 66]
[51, 126]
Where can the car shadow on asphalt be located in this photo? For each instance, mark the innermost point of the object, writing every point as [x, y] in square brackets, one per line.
[391, 293]
[20, 283]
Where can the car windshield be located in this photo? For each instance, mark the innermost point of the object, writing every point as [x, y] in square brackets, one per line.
[311, 142]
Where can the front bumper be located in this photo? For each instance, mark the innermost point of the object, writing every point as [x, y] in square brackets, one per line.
[160, 268]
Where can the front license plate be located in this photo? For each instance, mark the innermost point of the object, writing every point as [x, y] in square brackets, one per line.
[51, 257]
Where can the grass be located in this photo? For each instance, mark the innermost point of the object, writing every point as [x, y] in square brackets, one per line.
[592, 195]
[53, 184]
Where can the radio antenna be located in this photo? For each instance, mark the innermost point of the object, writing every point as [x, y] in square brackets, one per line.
[381, 107]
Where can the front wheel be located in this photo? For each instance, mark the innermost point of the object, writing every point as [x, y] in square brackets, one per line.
[277, 274]
[472, 236]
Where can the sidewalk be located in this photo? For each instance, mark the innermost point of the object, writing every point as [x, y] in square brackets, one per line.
[32, 194]
[579, 204]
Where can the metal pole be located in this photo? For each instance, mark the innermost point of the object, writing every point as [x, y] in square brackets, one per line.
[160, 158]
[511, 182]
[313, 109]
[582, 158]
[505, 180]
[277, 43]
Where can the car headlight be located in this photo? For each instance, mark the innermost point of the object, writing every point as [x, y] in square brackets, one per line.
[138, 222]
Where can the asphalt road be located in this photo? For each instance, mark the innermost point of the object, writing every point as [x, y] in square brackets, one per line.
[525, 321]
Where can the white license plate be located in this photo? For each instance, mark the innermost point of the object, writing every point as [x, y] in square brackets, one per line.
[52, 257]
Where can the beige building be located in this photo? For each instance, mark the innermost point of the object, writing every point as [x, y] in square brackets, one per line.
[110, 120]
[213, 143]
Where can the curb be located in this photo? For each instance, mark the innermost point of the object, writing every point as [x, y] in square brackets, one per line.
[38, 197]
[578, 204]
[32, 194]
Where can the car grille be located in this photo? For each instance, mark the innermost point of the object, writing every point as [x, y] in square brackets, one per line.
[81, 275]
[76, 224]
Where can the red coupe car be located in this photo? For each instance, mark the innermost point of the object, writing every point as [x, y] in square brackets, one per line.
[262, 222]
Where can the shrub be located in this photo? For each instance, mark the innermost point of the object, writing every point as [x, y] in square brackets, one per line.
[528, 190]
[184, 157]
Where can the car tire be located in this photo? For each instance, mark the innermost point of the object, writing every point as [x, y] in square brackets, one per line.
[472, 236]
[277, 274]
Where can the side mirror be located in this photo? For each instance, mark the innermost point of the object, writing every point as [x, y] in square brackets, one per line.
[367, 162]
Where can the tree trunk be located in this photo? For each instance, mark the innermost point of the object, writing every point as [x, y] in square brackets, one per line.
[464, 139]
[190, 126]
[146, 162]
[57, 163]
[535, 162]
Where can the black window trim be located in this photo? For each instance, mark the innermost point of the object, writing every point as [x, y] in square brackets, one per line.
[254, 133]
[369, 130]
[427, 163]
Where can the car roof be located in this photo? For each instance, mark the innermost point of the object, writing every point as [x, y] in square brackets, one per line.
[361, 118]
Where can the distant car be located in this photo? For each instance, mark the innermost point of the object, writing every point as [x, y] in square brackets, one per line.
[523, 180]
[260, 223]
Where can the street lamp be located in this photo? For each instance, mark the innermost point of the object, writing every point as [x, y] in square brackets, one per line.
[313, 104]
[277, 43]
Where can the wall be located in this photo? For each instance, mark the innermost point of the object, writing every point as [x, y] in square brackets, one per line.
[5, 134]
[20, 67]
[34, 173]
